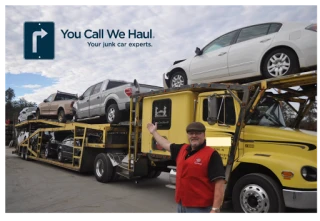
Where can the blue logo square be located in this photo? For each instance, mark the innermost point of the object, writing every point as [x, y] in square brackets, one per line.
[39, 40]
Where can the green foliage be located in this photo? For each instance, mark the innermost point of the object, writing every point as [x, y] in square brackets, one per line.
[13, 107]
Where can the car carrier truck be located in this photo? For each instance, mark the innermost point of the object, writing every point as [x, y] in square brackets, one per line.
[269, 165]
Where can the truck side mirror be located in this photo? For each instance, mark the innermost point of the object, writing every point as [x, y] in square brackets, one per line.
[212, 110]
[81, 97]
[136, 84]
[45, 100]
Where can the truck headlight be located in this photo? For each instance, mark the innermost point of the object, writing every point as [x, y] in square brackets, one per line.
[309, 173]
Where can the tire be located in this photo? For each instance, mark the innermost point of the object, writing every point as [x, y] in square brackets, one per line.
[113, 114]
[103, 169]
[62, 116]
[38, 116]
[178, 79]
[60, 156]
[22, 155]
[47, 151]
[288, 65]
[153, 174]
[257, 192]
[26, 156]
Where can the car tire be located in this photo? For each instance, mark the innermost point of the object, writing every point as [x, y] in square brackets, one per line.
[103, 169]
[257, 192]
[47, 151]
[178, 79]
[60, 156]
[62, 116]
[113, 114]
[280, 62]
[38, 116]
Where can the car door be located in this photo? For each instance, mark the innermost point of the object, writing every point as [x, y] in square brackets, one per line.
[244, 56]
[45, 107]
[83, 105]
[95, 100]
[212, 63]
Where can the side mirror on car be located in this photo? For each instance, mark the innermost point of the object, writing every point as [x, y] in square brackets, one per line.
[198, 51]
[81, 97]
[45, 100]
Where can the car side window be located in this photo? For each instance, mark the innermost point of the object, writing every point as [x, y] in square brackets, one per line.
[88, 91]
[220, 42]
[274, 28]
[97, 88]
[253, 32]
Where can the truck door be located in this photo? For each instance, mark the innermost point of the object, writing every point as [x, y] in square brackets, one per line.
[220, 134]
[83, 108]
[95, 100]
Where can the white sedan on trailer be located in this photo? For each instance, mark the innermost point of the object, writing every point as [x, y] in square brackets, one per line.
[271, 49]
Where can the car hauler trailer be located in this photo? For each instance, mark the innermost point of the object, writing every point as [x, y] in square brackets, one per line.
[268, 166]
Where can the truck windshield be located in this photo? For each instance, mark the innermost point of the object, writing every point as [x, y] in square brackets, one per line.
[267, 113]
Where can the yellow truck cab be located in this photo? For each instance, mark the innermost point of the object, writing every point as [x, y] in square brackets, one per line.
[271, 166]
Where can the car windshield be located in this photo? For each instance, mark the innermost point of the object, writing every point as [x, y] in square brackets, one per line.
[267, 113]
[32, 108]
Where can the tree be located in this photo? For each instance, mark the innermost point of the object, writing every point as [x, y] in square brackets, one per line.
[9, 95]
[13, 107]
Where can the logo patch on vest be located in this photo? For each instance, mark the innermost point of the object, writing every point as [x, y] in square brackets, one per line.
[198, 161]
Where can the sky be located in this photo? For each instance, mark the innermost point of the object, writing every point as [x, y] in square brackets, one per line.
[176, 32]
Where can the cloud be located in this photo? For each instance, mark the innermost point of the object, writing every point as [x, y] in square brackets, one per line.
[177, 31]
[31, 86]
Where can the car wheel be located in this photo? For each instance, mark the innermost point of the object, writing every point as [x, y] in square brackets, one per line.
[38, 116]
[103, 169]
[113, 114]
[257, 193]
[279, 63]
[178, 79]
[60, 156]
[47, 152]
[61, 116]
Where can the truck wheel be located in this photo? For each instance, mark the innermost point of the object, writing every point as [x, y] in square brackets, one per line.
[113, 114]
[103, 169]
[22, 154]
[257, 193]
[62, 116]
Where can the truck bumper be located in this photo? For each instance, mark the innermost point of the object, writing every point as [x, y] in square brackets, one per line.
[300, 199]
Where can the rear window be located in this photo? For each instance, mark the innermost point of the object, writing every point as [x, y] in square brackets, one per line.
[61, 97]
[113, 84]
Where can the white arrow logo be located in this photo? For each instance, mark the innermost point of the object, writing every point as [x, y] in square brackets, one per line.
[35, 34]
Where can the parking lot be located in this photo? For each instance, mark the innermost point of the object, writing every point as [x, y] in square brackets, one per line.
[36, 187]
